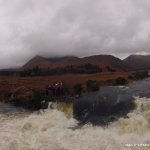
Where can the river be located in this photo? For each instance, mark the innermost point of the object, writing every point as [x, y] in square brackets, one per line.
[56, 129]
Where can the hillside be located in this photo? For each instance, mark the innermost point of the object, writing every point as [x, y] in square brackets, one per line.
[36, 61]
[138, 62]
[102, 61]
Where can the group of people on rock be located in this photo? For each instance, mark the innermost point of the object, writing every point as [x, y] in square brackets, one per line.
[56, 89]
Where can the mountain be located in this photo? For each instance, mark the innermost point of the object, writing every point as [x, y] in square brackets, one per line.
[102, 61]
[138, 62]
[36, 61]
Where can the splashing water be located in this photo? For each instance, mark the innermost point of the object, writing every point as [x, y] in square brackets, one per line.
[52, 130]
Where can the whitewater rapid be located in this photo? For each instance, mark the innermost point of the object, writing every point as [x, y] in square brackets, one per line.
[56, 129]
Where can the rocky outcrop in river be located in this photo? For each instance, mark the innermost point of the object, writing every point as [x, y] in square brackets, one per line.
[109, 103]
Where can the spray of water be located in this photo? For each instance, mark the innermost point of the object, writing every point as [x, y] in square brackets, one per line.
[56, 129]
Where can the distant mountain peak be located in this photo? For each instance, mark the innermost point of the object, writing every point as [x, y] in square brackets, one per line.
[138, 62]
[102, 61]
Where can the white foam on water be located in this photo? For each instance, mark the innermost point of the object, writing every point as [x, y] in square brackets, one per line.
[54, 130]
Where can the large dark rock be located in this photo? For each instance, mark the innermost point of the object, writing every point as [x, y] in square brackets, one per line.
[109, 103]
[103, 106]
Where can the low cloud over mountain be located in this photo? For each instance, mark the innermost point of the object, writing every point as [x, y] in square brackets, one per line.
[81, 28]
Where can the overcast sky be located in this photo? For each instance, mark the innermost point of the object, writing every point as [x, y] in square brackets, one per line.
[72, 27]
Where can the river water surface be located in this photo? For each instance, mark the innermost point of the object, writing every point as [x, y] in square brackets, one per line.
[56, 129]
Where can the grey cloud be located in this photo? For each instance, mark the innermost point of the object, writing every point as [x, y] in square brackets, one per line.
[67, 27]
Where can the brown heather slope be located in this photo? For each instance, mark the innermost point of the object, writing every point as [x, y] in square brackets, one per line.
[100, 60]
[9, 83]
[138, 62]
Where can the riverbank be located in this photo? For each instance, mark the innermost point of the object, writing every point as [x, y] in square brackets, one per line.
[38, 83]
[30, 92]
[30, 88]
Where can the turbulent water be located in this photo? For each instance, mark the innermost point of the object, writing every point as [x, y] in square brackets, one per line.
[53, 129]
[56, 129]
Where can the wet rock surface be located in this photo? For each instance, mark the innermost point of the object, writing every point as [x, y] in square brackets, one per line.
[109, 103]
